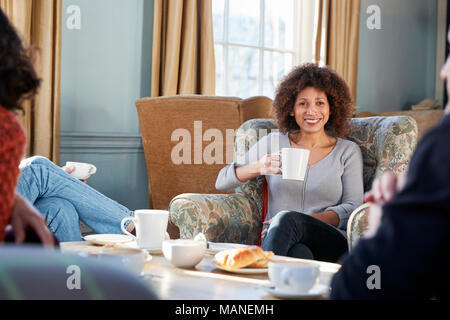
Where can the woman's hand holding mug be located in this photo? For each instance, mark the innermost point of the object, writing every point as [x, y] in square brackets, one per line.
[270, 164]
[71, 169]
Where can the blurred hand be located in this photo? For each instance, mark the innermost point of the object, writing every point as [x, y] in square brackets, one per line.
[270, 164]
[25, 215]
[383, 190]
[71, 169]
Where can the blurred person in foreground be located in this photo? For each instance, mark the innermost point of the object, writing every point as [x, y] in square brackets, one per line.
[408, 240]
[18, 82]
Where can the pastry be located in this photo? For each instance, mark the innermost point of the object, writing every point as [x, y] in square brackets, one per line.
[262, 263]
[243, 257]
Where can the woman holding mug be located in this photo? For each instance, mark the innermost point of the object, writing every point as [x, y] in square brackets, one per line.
[306, 218]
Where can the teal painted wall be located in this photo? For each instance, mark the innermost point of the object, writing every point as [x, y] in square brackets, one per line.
[105, 68]
[396, 65]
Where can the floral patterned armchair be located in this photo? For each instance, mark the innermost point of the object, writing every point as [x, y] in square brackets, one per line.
[386, 143]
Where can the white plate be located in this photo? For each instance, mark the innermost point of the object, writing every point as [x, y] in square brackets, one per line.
[219, 246]
[317, 291]
[104, 239]
[242, 270]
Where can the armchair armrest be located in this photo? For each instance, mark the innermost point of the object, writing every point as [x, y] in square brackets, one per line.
[387, 143]
[221, 217]
[357, 224]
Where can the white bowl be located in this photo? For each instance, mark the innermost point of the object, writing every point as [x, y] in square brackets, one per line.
[184, 253]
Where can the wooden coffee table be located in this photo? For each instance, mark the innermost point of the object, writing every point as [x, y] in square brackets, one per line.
[205, 281]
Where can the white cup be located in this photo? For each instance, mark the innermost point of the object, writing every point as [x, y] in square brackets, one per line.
[132, 259]
[150, 226]
[184, 253]
[82, 170]
[294, 162]
[291, 277]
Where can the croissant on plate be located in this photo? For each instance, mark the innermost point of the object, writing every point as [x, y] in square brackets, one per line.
[250, 257]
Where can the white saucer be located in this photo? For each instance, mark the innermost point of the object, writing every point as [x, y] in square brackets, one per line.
[133, 244]
[105, 239]
[242, 270]
[317, 291]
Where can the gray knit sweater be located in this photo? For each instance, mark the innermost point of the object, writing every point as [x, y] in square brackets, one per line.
[334, 183]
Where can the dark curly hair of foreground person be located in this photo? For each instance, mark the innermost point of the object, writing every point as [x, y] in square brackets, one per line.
[18, 79]
[324, 79]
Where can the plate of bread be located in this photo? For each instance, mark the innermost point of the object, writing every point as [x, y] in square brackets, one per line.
[245, 259]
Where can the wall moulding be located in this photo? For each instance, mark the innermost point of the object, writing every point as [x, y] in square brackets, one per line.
[100, 143]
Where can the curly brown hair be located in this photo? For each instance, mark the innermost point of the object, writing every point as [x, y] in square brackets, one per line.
[18, 79]
[324, 79]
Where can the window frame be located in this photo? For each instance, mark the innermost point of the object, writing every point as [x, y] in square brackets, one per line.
[305, 21]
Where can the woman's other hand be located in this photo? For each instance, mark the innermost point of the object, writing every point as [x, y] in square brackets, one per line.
[264, 231]
[25, 215]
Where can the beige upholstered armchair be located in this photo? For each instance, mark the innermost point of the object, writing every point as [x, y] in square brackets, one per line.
[386, 144]
[169, 121]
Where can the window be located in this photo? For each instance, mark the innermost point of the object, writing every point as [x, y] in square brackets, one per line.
[257, 42]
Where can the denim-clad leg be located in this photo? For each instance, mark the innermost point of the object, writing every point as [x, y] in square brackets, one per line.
[300, 250]
[40, 179]
[318, 239]
[61, 217]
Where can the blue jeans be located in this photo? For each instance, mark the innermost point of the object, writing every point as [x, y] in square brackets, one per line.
[299, 235]
[64, 200]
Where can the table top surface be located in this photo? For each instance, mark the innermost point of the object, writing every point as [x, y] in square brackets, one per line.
[205, 281]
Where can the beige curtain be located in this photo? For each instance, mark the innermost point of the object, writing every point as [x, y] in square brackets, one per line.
[183, 48]
[337, 38]
[39, 24]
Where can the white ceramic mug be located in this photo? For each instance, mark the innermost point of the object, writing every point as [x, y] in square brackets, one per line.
[293, 277]
[294, 162]
[82, 170]
[150, 226]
